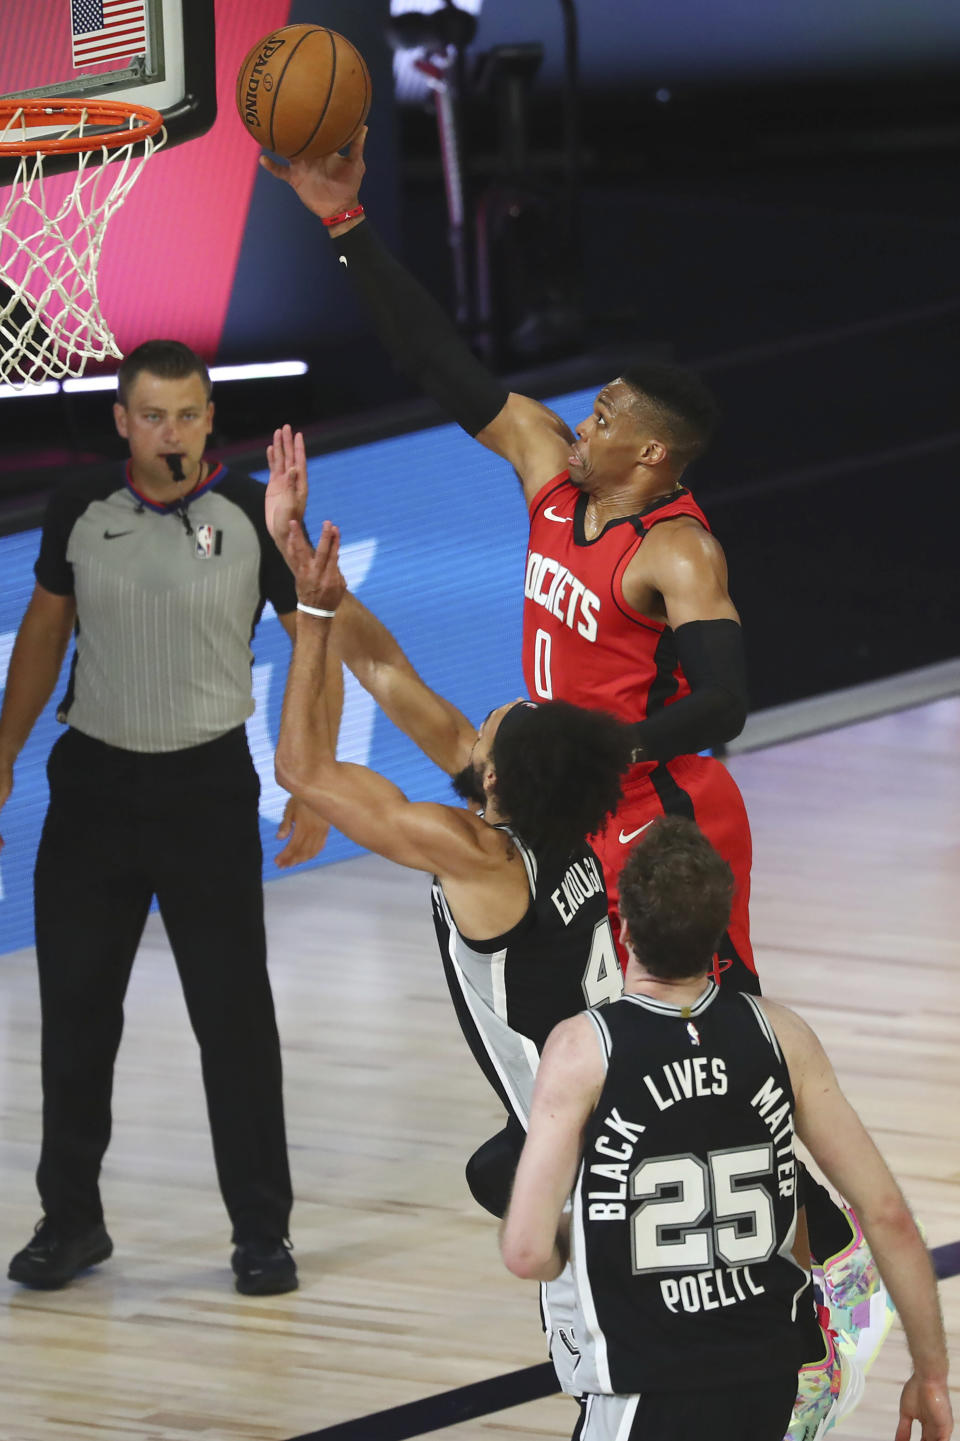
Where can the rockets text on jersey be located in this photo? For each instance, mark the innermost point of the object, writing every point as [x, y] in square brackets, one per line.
[557, 589]
[582, 642]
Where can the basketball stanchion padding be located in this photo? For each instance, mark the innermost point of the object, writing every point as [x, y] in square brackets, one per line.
[303, 91]
[51, 232]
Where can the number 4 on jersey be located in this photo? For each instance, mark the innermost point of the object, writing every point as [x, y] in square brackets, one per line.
[603, 978]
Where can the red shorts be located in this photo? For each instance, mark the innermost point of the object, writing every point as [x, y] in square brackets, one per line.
[703, 789]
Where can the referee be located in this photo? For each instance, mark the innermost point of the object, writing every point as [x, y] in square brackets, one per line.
[162, 570]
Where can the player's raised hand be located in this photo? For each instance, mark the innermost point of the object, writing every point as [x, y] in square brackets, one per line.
[286, 498]
[316, 572]
[929, 1403]
[328, 184]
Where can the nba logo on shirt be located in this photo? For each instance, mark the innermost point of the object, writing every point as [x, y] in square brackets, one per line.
[204, 542]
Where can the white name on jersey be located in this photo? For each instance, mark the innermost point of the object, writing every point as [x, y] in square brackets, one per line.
[582, 880]
[607, 1204]
[780, 1122]
[548, 583]
[688, 1078]
[708, 1290]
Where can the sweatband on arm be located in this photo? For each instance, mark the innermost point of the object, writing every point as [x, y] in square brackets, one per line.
[711, 656]
[419, 336]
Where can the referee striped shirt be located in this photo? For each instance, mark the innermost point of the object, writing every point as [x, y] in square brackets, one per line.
[167, 597]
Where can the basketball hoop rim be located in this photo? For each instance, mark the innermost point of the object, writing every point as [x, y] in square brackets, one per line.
[37, 113]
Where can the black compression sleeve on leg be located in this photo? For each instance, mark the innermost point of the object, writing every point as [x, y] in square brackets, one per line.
[492, 1167]
[710, 653]
[419, 336]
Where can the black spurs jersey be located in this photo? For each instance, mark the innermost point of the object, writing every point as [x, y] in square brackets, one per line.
[684, 1211]
[511, 991]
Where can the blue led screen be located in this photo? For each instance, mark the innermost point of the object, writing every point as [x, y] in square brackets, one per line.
[434, 538]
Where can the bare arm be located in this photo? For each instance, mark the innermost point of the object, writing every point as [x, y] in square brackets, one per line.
[440, 730]
[532, 438]
[34, 667]
[679, 575]
[332, 683]
[304, 830]
[533, 1241]
[365, 645]
[841, 1146]
[363, 805]
[421, 339]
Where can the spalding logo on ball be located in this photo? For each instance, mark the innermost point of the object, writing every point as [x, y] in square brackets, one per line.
[303, 91]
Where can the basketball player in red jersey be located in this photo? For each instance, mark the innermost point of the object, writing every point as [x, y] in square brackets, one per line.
[627, 608]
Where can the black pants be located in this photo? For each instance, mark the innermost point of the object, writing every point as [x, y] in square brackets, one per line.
[753, 1411]
[183, 826]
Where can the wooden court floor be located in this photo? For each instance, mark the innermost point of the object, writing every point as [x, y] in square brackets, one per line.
[856, 912]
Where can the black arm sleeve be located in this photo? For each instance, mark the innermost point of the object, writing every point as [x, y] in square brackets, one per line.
[711, 655]
[419, 336]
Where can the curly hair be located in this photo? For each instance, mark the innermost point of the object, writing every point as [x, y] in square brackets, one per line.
[675, 896]
[680, 402]
[558, 771]
[169, 359]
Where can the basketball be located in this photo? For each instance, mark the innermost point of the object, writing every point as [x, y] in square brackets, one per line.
[303, 91]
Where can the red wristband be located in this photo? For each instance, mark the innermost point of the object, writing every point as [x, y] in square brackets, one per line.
[344, 215]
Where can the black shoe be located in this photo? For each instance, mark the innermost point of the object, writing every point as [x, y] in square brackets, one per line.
[264, 1268]
[51, 1261]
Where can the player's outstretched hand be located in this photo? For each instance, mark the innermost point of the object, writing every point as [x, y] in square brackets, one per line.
[286, 498]
[316, 572]
[328, 184]
[929, 1403]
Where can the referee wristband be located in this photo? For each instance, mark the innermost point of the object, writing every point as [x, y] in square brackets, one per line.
[313, 610]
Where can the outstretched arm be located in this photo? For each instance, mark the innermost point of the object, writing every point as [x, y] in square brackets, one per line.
[440, 730]
[359, 639]
[842, 1147]
[303, 829]
[363, 805]
[419, 337]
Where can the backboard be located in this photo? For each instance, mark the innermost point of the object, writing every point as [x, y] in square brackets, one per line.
[152, 52]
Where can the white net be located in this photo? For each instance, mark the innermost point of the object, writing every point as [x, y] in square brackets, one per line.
[51, 232]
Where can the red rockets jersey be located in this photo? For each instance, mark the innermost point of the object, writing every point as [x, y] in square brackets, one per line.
[582, 642]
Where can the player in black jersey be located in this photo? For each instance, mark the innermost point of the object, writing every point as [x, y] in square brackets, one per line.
[670, 1115]
[518, 896]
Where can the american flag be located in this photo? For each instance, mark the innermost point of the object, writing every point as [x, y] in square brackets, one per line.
[107, 30]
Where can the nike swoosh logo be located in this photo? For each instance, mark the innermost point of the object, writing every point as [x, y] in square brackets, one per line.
[550, 515]
[115, 534]
[626, 839]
